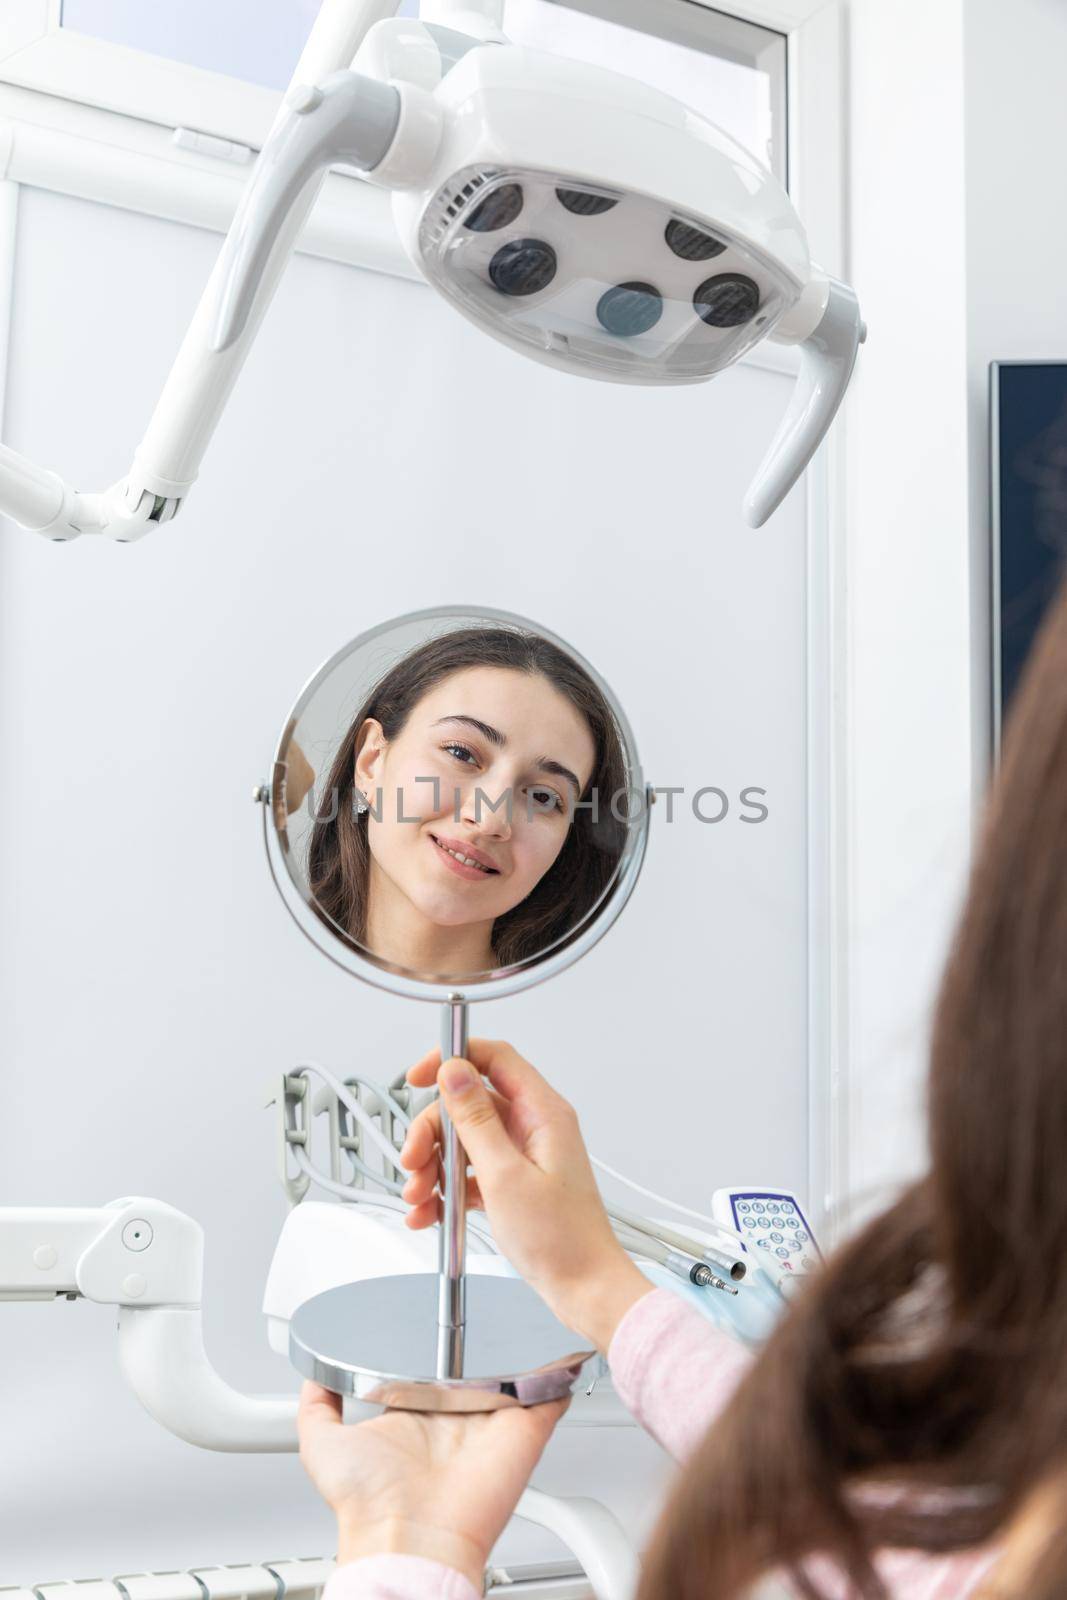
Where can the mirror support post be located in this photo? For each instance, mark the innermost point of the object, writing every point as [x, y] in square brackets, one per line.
[452, 1243]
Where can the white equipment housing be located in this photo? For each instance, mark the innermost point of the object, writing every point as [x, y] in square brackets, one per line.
[147, 1258]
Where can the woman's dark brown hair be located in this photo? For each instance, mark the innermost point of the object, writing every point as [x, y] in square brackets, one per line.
[555, 908]
[931, 1354]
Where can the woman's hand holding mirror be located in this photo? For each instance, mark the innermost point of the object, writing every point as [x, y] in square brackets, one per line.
[533, 1178]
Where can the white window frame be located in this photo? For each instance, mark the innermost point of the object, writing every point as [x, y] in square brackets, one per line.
[55, 134]
[37, 53]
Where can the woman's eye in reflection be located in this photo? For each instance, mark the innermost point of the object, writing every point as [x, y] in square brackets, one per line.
[546, 800]
[460, 751]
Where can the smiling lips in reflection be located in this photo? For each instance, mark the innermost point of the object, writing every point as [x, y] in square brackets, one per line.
[464, 860]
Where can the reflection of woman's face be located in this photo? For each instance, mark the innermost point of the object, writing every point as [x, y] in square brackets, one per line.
[486, 737]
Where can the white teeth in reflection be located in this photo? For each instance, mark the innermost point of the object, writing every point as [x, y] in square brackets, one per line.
[466, 860]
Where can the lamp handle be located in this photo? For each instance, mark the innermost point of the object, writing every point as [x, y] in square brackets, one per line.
[348, 118]
[827, 357]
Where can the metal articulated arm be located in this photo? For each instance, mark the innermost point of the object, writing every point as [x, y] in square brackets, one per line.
[168, 459]
[146, 1258]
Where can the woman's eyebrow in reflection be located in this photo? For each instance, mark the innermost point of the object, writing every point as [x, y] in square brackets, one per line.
[558, 771]
[495, 736]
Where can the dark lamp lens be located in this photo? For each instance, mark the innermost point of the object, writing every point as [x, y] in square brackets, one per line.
[629, 309]
[692, 244]
[523, 266]
[727, 300]
[496, 210]
[584, 204]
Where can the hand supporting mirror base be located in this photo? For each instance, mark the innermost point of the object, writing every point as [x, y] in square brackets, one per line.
[447, 1343]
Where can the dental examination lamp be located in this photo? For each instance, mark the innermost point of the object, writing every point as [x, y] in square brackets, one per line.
[579, 216]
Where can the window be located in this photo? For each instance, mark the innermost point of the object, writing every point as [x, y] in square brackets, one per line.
[257, 41]
[217, 65]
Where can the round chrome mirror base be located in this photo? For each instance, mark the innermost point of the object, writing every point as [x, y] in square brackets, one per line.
[378, 1340]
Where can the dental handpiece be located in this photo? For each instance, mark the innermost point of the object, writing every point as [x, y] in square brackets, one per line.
[680, 1262]
[698, 1272]
[728, 1264]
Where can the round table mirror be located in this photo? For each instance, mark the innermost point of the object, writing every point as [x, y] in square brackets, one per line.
[456, 811]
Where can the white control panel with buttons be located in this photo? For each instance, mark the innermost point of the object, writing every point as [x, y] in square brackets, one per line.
[773, 1224]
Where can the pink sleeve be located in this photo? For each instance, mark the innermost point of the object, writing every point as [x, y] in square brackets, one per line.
[673, 1369]
[396, 1577]
[676, 1372]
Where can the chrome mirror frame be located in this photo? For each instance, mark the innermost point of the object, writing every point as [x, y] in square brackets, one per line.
[360, 963]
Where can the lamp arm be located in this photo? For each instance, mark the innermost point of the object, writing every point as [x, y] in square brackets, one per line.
[194, 396]
[163, 1359]
[39, 499]
[827, 357]
[340, 28]
[146, 1258]
[136, 1251]
[40, 1247]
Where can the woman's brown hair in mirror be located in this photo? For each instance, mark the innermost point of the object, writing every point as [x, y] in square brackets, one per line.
[475, 809]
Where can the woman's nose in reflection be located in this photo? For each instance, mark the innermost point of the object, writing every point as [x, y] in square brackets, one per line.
[488, 809]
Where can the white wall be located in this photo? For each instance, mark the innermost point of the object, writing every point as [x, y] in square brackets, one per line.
[379, 455]
[958, 235]
[909, 619]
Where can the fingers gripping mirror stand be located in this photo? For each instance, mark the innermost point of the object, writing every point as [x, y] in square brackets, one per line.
[381, 889]
[639, 244]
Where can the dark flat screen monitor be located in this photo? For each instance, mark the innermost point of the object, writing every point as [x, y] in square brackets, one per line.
[1029, 470]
